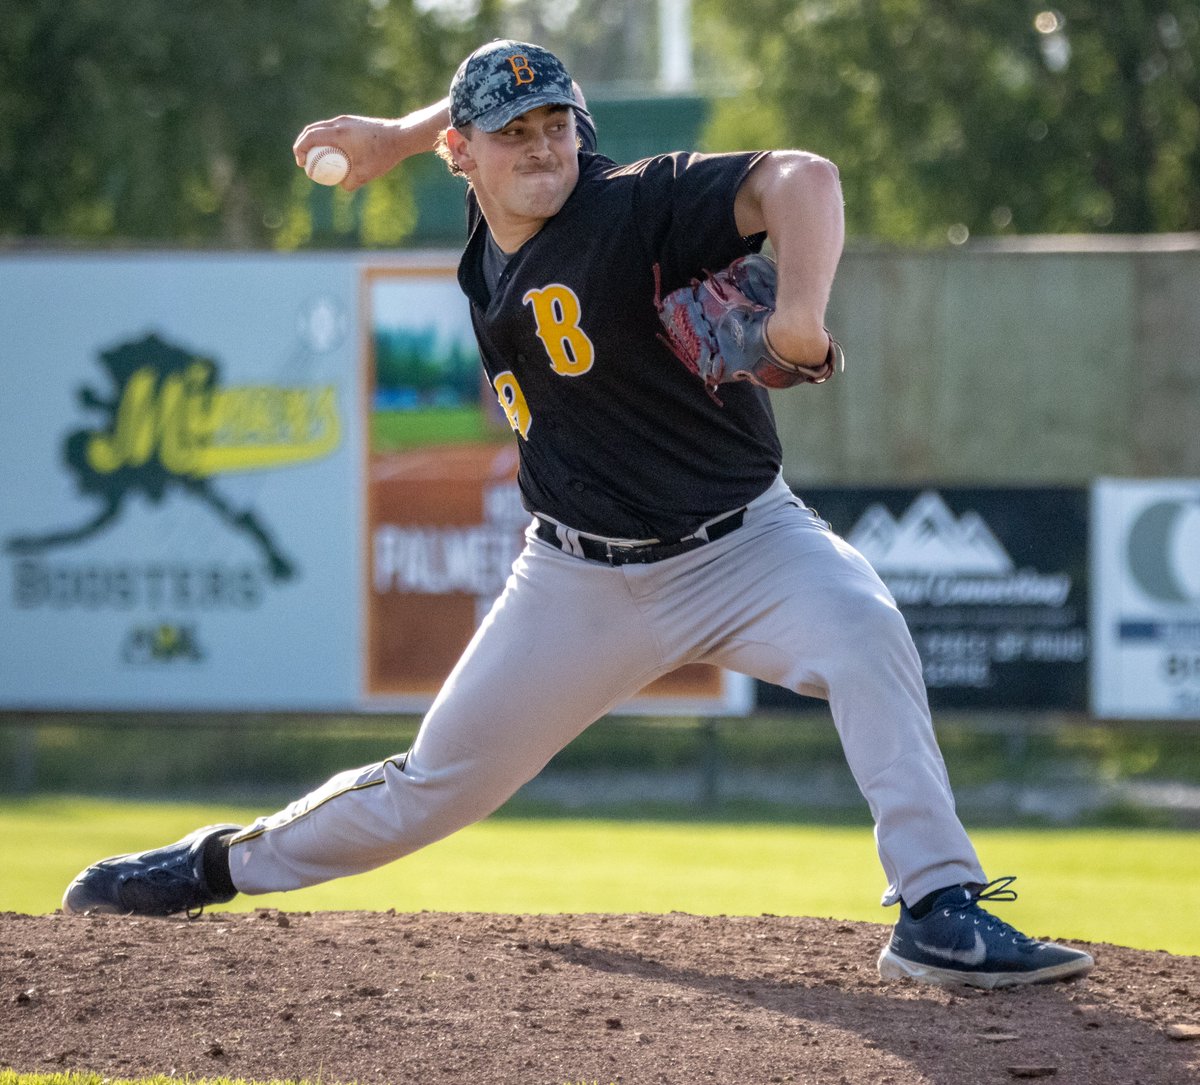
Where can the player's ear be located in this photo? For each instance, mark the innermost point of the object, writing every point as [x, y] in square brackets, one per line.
[458, 143]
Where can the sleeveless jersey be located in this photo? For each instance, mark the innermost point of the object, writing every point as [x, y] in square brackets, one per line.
[616, 437]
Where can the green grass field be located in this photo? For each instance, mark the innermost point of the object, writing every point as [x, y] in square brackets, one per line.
[394, 431]
[1138, 888]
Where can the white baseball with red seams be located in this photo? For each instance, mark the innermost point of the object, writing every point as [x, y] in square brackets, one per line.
[327, 165]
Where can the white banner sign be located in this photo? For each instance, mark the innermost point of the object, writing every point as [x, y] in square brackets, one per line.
[252, 482]
[1146, 599]
[179, 501]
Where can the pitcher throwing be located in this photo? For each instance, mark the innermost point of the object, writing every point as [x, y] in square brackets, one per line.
[661, 531]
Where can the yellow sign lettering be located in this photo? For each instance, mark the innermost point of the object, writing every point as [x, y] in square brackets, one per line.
[197, 430]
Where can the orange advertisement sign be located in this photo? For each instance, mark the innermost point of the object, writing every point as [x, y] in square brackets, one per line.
[444, 520]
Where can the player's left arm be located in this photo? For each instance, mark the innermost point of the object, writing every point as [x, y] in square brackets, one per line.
[796, 198]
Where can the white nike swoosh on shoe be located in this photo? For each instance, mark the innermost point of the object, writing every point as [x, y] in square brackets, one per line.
[977, 954]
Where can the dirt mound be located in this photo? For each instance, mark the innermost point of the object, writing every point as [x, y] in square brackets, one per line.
[542, 1000]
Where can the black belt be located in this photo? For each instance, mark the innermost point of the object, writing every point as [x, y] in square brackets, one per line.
[640, 553]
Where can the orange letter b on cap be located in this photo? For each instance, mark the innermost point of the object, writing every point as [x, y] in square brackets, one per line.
[521, 69]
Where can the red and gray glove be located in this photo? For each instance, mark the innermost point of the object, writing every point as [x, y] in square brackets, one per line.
[716, 326]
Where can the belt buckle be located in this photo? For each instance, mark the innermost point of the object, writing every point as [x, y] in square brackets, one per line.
[616, 554]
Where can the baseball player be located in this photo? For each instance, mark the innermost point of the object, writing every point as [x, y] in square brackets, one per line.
[661, 530]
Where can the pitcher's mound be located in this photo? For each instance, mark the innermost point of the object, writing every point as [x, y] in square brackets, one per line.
[435, 999]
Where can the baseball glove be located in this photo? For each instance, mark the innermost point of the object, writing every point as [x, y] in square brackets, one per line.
[717, 326]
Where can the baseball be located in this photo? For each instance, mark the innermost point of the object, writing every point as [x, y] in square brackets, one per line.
[327, 165]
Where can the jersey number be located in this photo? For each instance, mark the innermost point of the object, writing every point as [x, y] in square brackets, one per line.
[556, 311]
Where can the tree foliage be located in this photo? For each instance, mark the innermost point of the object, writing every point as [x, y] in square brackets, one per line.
[158, 122]
[610, 45]
[974, 116]
[150, 120]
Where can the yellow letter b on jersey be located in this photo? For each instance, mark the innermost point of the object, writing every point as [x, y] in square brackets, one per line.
[556, 311]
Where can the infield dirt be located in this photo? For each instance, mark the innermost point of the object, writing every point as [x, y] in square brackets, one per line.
[542, 1000]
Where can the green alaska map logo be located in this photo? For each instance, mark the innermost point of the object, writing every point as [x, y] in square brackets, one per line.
[168, 426]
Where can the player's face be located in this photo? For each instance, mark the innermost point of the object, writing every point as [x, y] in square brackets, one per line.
[524, 172]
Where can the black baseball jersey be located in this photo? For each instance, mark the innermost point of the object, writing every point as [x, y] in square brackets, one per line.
[616, 437]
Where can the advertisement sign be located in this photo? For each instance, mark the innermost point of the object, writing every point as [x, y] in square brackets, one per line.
[442, 530]
[1146, 602]
[444, 514]
[992, 583]
[178, 501]
[252, 483]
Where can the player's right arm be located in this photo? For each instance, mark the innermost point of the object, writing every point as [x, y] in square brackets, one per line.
[375, 144]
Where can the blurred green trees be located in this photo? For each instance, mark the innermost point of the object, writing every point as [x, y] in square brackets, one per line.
[153, 121]
[957, 117]
[161, 121]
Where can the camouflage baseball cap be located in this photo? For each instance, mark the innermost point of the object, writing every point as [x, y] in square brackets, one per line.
[503, 79]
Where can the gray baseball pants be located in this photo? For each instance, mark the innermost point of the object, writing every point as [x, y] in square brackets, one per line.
[782, 598]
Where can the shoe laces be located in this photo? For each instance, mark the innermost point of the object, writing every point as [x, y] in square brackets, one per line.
[996, 890]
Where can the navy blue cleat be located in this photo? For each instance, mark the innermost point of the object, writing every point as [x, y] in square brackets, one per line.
[159, 882]
[959, 944]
